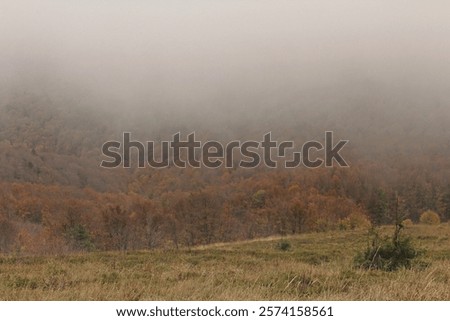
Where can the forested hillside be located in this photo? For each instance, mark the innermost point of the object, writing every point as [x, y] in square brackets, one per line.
[77, 74]
[54, 196]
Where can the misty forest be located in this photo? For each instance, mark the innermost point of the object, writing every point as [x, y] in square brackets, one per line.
[76, 75]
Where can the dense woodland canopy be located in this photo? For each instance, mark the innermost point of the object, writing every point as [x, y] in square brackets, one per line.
[76, 74]
[54, 197]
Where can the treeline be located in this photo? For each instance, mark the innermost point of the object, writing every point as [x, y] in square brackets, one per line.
[54, 197]
[53, 219]
[188, 207]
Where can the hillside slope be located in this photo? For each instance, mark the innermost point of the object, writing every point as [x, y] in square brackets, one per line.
[317, 266]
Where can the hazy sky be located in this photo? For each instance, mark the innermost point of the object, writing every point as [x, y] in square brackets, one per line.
[179, 54]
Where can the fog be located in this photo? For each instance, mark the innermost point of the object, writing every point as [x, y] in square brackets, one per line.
[229, 60]
[77, 74]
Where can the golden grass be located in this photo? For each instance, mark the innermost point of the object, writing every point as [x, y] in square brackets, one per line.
[317, 266]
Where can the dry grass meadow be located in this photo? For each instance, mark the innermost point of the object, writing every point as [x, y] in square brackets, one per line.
[317, 266]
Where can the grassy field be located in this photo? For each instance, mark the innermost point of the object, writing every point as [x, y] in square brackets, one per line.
[317, 266]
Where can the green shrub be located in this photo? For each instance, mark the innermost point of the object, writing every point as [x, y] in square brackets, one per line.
[284, 245]
[259, 199]
[387, 254]
[79, 238]
[429, 217]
